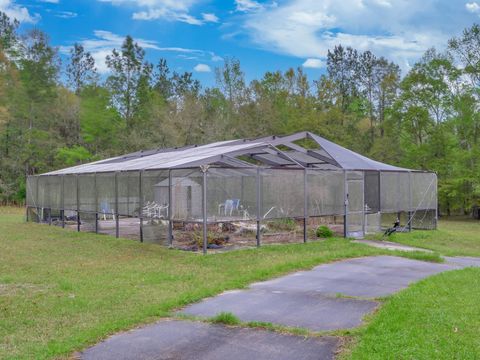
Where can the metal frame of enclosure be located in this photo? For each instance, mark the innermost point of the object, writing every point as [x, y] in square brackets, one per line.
[237, 185]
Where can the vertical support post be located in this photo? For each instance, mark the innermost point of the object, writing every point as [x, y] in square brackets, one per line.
[364, 217]
[204, 212]
[96, 201]
[410, 201]
[242, 185]
[345, 204]
[436, 201]
[305, 205]
[26, 202]
[259, 206]
[380, 207]
[49, 201]
[117, 229]
[78, 202]
[62, 201]
[140, 203]
[128, 193]
[36, 198]
[170, 209]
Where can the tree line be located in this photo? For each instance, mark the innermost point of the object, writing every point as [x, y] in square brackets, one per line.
[52, 116]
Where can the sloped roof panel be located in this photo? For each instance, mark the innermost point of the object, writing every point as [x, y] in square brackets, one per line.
[350, 160]
[162, 160]
[192, 156]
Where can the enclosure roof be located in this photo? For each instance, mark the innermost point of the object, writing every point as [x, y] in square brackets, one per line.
[271, 151]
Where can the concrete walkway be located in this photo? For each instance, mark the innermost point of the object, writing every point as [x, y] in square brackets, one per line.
[328, 297]
[188, 340]
[388, 245]
[315, 299]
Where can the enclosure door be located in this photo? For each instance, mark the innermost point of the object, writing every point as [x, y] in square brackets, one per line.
[355, 205]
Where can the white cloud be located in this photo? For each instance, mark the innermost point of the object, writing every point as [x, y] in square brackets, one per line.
[15, 11]
[473, 7]
[170, 10]
[49, 1]
[209, 17]
[313, 63]
[397, 29]
[66, 14]
[215, 57]
[202, 68]
[155, 14]
[105, 41]
[248, 5]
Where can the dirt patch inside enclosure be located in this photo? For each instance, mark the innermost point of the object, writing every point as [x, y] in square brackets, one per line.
[222, 236]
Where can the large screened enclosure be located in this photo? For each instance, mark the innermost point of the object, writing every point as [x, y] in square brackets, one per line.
[235, 193]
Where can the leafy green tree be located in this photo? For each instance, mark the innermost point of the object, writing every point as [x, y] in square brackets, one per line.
[75, 155]
[130, 74]
[9, 41]
[467, 50]
[100, 123]
[81, 70]
[342, 68]
[162, 80]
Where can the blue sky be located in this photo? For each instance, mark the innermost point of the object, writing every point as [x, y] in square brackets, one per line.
[196, 35]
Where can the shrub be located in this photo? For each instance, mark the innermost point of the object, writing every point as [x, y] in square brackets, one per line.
[226, 318]
[324, 231]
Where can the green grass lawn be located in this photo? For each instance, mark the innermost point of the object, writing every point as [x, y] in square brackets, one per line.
[436, 318]
[454, 237]
[61, 291]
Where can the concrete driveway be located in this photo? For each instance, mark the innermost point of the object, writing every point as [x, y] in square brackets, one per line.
[328, 297]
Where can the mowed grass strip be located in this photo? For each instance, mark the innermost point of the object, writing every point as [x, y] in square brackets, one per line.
[454, 237]
[436, 318]
[61, 291]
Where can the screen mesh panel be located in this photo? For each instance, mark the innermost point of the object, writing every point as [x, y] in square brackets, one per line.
[129, 193]
[31, 197]
[155, 194]
[86, 193]
[424, 220]
[155, 231]
[106, 193]
[231, 194]
[129, 227]
[54, 191]
[187, 195]
[33, 214]
[355, 204]
[70, 192]
[325, 192]
[395, 191]
[87, 221]
[282, 193]
[424, 191]
[372, 191]
[42, 195]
